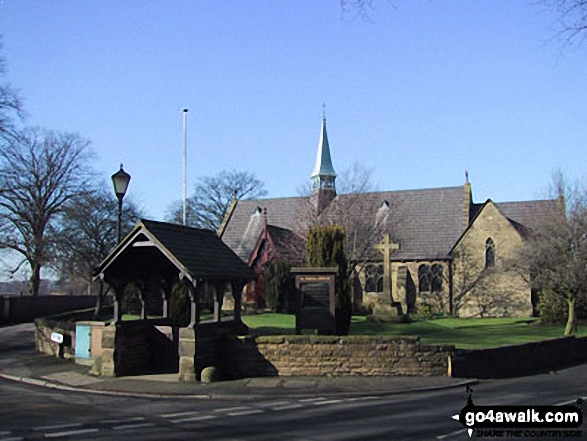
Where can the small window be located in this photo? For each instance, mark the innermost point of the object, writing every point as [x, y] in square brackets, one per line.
[424, 278]
[430, 278]
[489, 253]
[374, 278]
[436, 276]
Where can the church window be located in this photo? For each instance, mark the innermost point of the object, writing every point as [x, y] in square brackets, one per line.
[374, 278]
[436, 276]
[424, 278]
[489, 253]
[430, 278]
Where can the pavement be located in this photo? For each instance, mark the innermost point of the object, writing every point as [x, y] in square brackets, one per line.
[23, 364]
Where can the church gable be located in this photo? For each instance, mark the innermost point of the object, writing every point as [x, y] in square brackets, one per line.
[484, 280]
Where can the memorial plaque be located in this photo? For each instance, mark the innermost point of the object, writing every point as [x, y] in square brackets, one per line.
[316, 305]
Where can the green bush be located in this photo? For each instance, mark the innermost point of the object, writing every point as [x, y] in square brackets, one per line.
[279, 287]
[425, 311]
[554, 309]
[325, 248]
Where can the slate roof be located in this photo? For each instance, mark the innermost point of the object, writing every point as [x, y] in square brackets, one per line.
[426, 223]
[201, 252]
[247, 223]
[528, 213]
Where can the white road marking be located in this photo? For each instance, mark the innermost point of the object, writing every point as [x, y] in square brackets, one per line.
[570, 402]
[133, 426]
[70, 433]
[180, 414]
[127, 420]
[57, 427]
[194, 419]
[274, 403]
[16, 438]
[287, 406]
[232, 409]
[246, 412]
[321, 403]
[448, 435]
[312, 400]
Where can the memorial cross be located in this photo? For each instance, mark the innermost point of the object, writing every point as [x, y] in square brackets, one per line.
[387, 247]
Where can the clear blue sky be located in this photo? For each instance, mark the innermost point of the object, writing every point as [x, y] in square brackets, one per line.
[428, 90]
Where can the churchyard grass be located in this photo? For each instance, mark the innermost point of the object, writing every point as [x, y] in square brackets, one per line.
[466, 333]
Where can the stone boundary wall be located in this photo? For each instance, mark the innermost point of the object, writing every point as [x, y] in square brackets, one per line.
[519, 360]
[14, 310]
[43, 343]
[335, 356]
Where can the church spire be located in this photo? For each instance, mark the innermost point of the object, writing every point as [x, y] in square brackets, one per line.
[323, 176]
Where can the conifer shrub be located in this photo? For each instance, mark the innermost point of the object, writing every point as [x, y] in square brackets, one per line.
[325, 248]
[279, 287]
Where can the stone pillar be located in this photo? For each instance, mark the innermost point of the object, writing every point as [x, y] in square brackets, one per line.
[118, 294]
[218, 296]
[187, 354]
[237, 290]
[194, 300]
[142, 300]
[107, 365]
[165, 299]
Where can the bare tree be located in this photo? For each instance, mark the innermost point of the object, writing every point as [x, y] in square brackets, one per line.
[360, 8]
[358, 211]
[468, 277]
[213, 195]
[572, 19]
[40, 174]
[556, 255]
[88, 233]
[10, 104]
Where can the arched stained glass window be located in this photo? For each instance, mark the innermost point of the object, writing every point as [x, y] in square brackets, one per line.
[489, 253]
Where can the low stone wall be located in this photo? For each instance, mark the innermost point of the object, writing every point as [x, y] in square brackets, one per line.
[519, 360]
[334, 356]
[138, 347]
[15, 310]
[44, 344]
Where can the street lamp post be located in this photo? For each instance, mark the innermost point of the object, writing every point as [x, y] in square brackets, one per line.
[120, 179]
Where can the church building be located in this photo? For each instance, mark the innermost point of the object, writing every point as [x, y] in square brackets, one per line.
[428, 251]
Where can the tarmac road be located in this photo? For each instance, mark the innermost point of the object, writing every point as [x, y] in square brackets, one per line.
[31, 412]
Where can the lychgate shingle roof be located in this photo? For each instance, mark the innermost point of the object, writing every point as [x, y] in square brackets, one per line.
[200, 253]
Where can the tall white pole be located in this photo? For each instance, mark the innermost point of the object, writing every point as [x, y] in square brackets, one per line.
[185, 160]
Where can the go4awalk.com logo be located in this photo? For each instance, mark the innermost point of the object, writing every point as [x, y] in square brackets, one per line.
[521, 421]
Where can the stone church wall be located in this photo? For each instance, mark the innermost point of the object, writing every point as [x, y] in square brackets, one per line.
[499, 290]
[405, 288]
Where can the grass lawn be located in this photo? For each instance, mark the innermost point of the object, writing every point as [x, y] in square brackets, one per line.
[473, 333]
